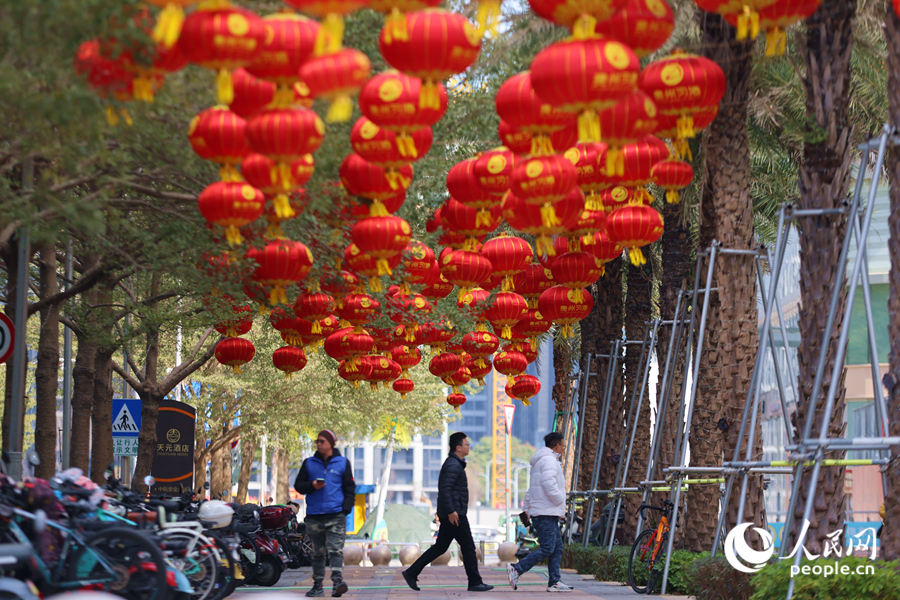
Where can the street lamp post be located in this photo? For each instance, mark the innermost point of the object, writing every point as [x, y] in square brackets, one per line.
[527, 467]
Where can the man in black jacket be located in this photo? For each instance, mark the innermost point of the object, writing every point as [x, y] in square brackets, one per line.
[453, 499]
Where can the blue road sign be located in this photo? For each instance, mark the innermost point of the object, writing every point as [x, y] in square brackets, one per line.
[126, 417]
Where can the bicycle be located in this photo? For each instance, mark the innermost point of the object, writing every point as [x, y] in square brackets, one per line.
[649, 551]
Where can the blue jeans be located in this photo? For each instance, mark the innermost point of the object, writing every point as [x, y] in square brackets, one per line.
[550, 539]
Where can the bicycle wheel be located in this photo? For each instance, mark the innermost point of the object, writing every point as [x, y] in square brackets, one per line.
[226, 579]
[249, 553]
[645, 570]
[194, 555]
[138, 565]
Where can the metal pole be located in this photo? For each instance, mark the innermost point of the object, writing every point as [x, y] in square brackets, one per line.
[842, 340]
[576, 451]
[67, 374]
[601, 443]
[510, 532]
[695, 375]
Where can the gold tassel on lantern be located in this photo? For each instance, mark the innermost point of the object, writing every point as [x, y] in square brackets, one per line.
[548, 216]
[685, 126]
[748, 24]
[636, 256]
[142, 89]
[429, 97]
[481, 326]
[289, 376]
[407, 146]
[533, 341]
[274, 232]
[506, 332]
[483, 217]
[411, 333]
[112, 117]
[508, 284]
[375, 285]
[593, 202]
[331, 35]
[615, 162]
[340, 110]
[588, 127]
[383, 267]
[673, 197]
[228, 173]
[282, 205]
[316, 328]
[541, 145]
[488, 17]
[566, 331]
[575, 244]
[463, 292]
[526, 402]
[168, 25]
[233, 235]
[377, 209]
[277, 296]
[583, 28]
[544, 246]
[776, 42]
[682, 149]
[224, 87]
[236, 369]
[395, 26]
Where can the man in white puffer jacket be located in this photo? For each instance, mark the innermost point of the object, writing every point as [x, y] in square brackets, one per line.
[545, 503]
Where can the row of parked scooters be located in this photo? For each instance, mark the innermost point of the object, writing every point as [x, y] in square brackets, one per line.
[70, 534]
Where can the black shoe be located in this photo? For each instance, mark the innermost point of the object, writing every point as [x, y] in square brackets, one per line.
[340, 588]
[316, 591]
[410, 580]
[481, 587]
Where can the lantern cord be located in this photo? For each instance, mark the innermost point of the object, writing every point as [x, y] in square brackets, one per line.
[142, 88]
[233, 235]
[593, 202]
[430, 96]
[282, 205]
[406, 145]
[583, 27]
[615, 162]
[488, 17]
[548, 216]
[340, 110]
[636, 256]
[168, 25]
[377, 209]
[331, 35]
[747, 24]
[224, 87]
[375, 285]
[673, 197]
[776, 42]
[588, 126]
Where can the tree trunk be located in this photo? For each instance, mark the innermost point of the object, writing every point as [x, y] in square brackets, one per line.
[248, 450]
[147, 439]
[890, 537]
[12, 272]
[46, 373]
[83, 393]
[200, 459]
[282, 484]
[101, 415]
[731, 335]
[824, 183]
[639, 310]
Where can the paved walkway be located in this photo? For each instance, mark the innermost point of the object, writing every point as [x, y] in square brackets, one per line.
[442, 583]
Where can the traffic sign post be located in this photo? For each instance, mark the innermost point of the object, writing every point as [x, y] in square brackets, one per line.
[509, 410]
[126, 426]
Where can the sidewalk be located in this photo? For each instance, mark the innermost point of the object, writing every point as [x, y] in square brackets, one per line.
[441, 583]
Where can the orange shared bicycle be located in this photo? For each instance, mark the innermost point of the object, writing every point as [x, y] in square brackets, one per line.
[648, 554]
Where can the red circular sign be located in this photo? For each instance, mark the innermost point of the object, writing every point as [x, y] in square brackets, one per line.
[7, 338]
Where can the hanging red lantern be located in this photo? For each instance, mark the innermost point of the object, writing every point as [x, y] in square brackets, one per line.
[358, 309]
[362, 178]
[493, 172]
[576, 270]
[474, 304]
[313, 306]
[351, 346]
[288, 42]
[436, 286]
[465, 269]
[171, 18]
[464, 185]
[533, 282]
[444, 364]
[417, 261]
[580, 17]
[108, 76]
[328, 325]
[279, 264]
[289, 359]
[217, 134]
[235, 352]
[519, 106]
[672, 175]
[438, 334]
[384, 370]
[543, 181]
[529, 219]
[565, 307]
[458, 379]
[382, 238]
[404, 387]
[479, 372]
[337, 78]
[589, 158]
[626, 123]
[520, 142]
[585, 77]
[258, 170]
[381, 147]
[456, 400]
[589, 223]
[510, 363]
[354, 372]
[239, 324]
[681, 85]
[634, 226]
[505, 311]
[617, 196]
[448, 238]
[395, 11]
[339, 284]
[480, 345]
[251, 94]
[525, 387]
[437, 45]
[639, 159]
[509, 256]
[407, 310]
[604, 248]
[467, 221]
[367, 265]
[776, 18]
[231, 205]
[331, 13]
[668, 126]
[642, 25]
[533, 325]
[525, 348]
[222, 38]
[150, 64]
[406, 357]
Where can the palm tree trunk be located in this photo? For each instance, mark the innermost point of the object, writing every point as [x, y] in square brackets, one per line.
[824, 183]
[731, 335]
[890, 537]
[46, 372]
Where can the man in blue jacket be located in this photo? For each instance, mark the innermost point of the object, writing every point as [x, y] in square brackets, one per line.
[453, 500]
[326, 480]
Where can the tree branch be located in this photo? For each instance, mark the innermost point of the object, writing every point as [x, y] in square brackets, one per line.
[183, 371]
[134, 383]
[85, 282]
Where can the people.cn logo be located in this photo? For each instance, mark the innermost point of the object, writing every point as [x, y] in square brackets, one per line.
[737, 549]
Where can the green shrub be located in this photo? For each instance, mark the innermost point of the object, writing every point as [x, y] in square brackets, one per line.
[715, 579]
[884, 584]
[681, 572]
[613, 566]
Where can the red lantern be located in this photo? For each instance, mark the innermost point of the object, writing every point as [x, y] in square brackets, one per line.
[406, 357]
[529, 219]
[642, 25]
[239, 324]
[469, 222]
[585, 77]
[638, 160]
[289, 359]
[493, 171]
[384, 370]
[358, 309]
[448, 238]
[520, 142]
[250, 93]
[565, 307]
[634, 226]
[382, 238]
[510, 363]
[777, 17]
[479, 372]
[108, 76]
[258, 170]
[354, 372]
[327, 326]
[404, 387]
[626, 123]
[456, 400]
[681, 85]
[288, 42]
[460, 378]
[339, 284]
[313, 306]
[437, 44]
[473, 304]
[171, 18]
[279, 264]
[580, 16]
[544, 181]
[604, 249]
[222, 38]
[437, 286]
[418, 261]
[614, 197]
[217, 134]
[362, 178]
[331, 12]
[576, 270]
[589, 159]
[672, 175]
[444, 364]
[480, 345]
[367, 265]
[337, 77]
[589, 223]
[231, 205]
[381, 146]
[465, 269]
[464, 185]
[519, 106]
[532, 325]
[509, 256]
[523, 347]
[285, 134]
[505, 311]
[525, 387]
[235, 352]
[534, 281]
[436, 335]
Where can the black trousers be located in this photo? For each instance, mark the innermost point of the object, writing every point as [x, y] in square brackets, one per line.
[446, 534]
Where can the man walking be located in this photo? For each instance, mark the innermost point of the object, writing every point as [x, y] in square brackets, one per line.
[545, 503]
[326, 480]
[453, 499]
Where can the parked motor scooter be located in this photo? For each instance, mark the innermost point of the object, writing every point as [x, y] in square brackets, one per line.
[272, 558]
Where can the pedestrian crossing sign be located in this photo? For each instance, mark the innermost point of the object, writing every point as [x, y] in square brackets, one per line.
[126, 418]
